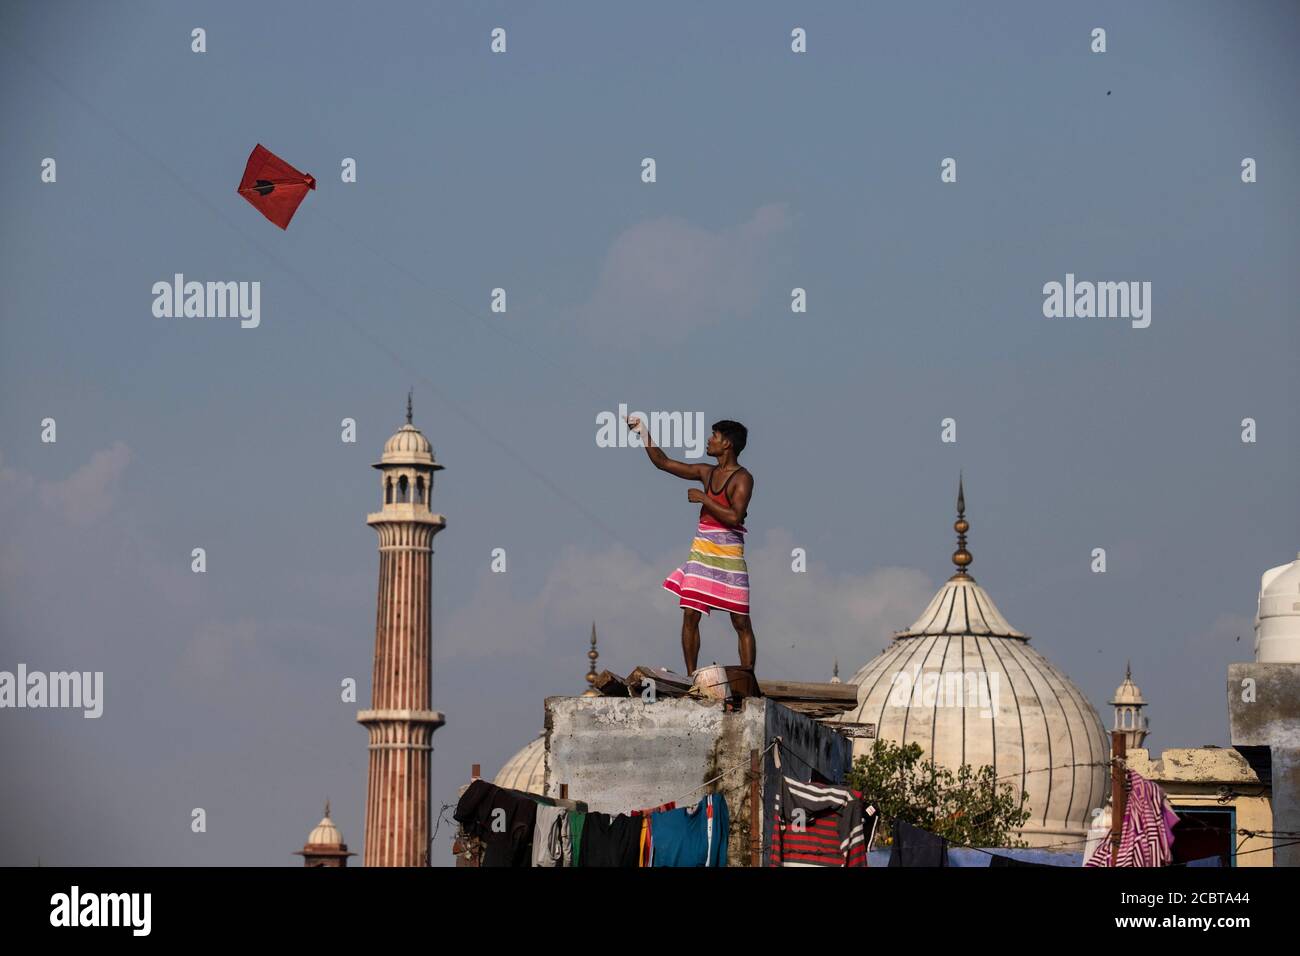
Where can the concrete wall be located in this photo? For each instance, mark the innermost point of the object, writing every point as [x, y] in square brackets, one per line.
[1264, 711]
[621, 754]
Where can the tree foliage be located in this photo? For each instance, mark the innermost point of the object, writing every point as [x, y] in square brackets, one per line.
[969, 807]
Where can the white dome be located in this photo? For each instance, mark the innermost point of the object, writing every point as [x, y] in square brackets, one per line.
[526, 770]
[965, 685]
[1277, 621]
[968, 688]
[325, 834]
[1128, 693]
[408, 446]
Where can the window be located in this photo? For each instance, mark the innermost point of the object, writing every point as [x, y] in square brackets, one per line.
[403, 490]
[419, 490]
[1205, 832]
[388, 491]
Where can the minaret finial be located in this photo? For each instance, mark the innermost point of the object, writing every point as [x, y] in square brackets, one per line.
[961, 557]
[408, 406]
[1128, 670]
[327, 808]
[592, 655]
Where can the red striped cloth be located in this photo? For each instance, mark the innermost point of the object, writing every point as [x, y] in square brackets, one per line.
[820, 825]
[1147, 837]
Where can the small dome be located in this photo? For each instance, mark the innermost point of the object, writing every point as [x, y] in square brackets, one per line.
[325, 834]
[526, 770]
[1277, 622]
[408, 446]
[1128, 693]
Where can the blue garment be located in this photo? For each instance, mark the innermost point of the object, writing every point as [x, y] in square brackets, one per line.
[684, 837]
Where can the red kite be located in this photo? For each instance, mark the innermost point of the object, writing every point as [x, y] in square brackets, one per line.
[274, 187]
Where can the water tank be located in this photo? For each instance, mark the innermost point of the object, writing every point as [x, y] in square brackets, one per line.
[1277, 623]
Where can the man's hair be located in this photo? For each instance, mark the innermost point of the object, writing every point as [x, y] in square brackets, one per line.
[734, 432]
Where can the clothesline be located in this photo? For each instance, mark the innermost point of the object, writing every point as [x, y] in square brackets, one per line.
[713, 780]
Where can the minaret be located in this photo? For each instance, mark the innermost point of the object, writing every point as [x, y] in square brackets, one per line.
[1129, 718]
[325, 846]
[401, 720]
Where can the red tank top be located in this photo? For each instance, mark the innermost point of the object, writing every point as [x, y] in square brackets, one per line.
[720, 497]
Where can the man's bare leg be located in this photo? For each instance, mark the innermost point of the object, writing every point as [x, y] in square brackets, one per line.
[747, 646]
[690, 638]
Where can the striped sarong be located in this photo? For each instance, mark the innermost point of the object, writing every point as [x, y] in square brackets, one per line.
[715, 574]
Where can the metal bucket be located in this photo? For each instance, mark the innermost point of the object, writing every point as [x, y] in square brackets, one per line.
[712, 682]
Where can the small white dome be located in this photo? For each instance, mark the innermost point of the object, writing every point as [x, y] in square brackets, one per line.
[408, 446]
[1128, 693]
[1277, 621]
[325, 834]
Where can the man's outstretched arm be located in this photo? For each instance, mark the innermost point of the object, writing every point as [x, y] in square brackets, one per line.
[682, 469]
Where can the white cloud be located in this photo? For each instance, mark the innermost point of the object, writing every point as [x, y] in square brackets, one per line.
[803, 621]
[88, 493]
[666, 277]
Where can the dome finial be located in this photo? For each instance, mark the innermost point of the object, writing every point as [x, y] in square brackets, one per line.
[592, 655]
[408, 406]
[327, 808]
[961, 557]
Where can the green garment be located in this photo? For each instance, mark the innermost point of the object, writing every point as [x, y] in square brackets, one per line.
[576, 820]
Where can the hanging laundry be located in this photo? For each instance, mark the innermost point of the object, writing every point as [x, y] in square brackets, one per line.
[692, 836]
[577, 819]
[551, 841]
[1098, 831]
[819, 824]
[610, 841]
[916, 847]
[1147, 834]
[502, 819]
[646, 846]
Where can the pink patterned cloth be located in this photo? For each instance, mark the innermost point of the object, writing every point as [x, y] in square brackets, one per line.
[1147, 838]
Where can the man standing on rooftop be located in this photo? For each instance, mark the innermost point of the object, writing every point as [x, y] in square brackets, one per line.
[715, 574]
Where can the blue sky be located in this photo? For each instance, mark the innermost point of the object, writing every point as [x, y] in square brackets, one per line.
[522, 171]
